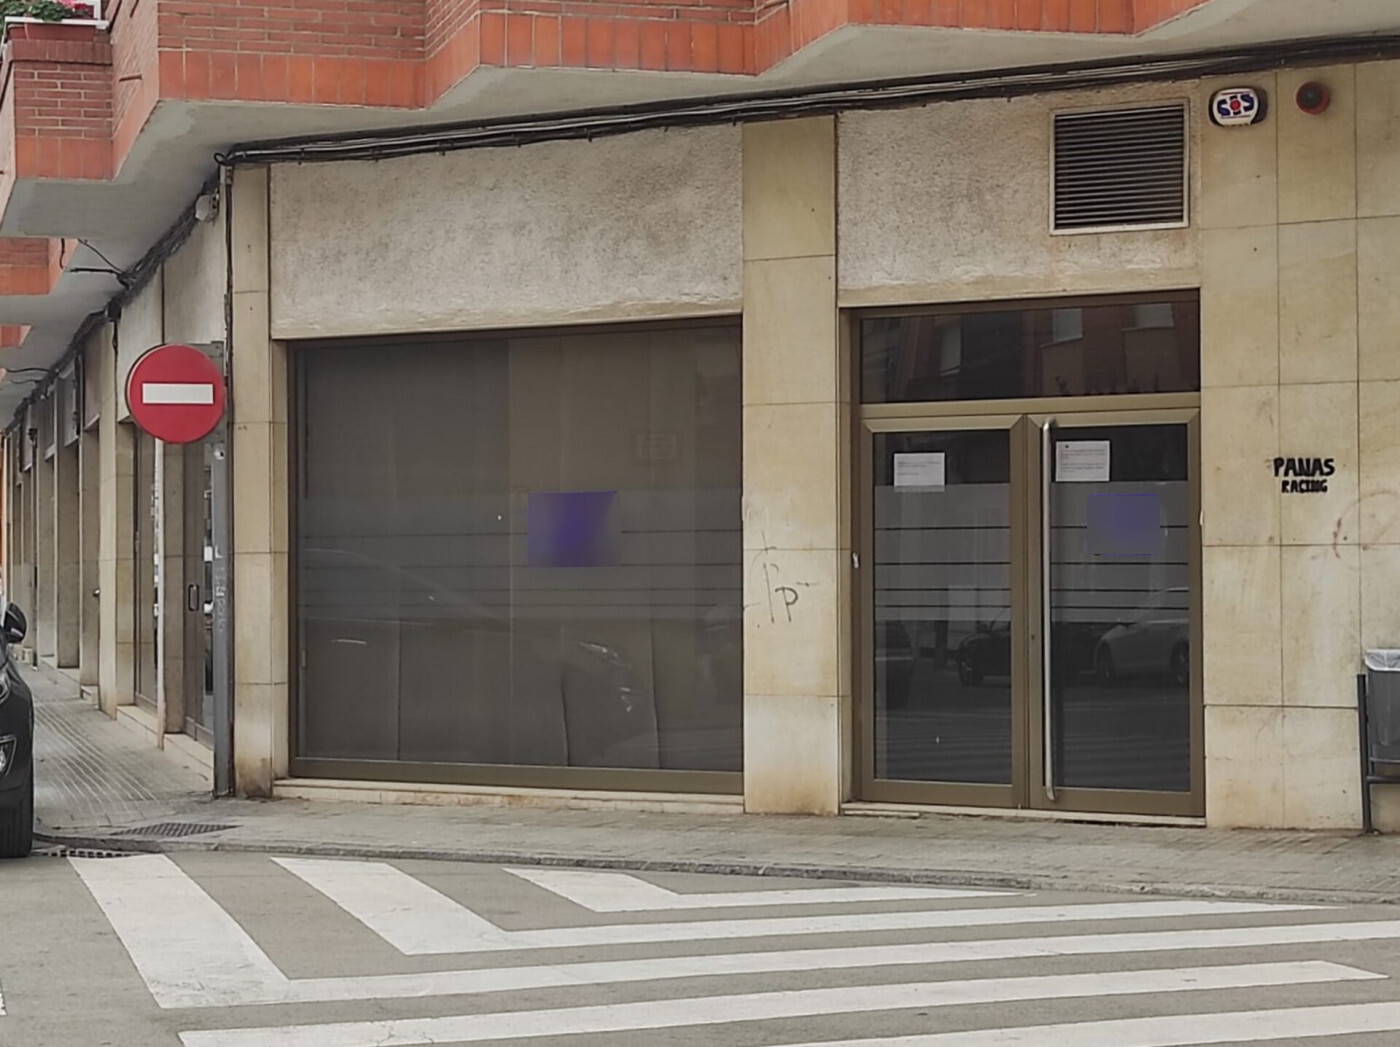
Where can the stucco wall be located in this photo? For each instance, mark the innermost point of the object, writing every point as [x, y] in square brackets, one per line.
[952, 202]
[184, 302]
[196, 280]
[643, 225]
[140, 328]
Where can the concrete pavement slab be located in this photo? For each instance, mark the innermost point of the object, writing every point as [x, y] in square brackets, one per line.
[96, 785]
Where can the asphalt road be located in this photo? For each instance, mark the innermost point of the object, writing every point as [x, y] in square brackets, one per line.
[228, 950]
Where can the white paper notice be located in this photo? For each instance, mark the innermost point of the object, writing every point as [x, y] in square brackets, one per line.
[1082, 462]
[920, 470]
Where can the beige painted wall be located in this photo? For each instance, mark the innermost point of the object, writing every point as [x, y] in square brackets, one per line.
[1295, 242]
[797, 650]
[1299, 315]
[562, 232]
[1293, 239]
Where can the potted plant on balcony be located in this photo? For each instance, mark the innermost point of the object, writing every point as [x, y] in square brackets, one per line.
[45, 19]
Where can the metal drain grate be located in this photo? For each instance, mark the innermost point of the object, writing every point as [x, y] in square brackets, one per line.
[175, 829]
[78, 852]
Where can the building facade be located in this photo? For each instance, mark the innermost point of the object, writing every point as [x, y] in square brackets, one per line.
[795, 408]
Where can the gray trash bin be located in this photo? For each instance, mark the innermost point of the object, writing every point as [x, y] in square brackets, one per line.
[1383, 705]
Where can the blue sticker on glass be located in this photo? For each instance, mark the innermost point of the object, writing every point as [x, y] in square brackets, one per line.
[1121, 524]
[573, 529]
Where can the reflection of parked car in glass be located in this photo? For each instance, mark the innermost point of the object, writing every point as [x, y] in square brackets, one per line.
[987, 652]
[371, 614]
[894, 664]
[1155, 641]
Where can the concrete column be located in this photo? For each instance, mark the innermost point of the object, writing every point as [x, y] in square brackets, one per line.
[796, 517]
[67, 564]
[7, 514]
[260, 520]
[45, 546]
[22, 572]
[195, 626]
[172, 585]
[89, 581]
[14, 515]
[116, 602]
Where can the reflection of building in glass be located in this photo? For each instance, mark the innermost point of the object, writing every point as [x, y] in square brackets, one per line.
[1091, 350]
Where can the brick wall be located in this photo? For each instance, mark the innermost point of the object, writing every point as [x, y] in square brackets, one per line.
[136, 83]
[24, 266]
[346, 52]
[75, 101]
[58, 89]
[443, 20]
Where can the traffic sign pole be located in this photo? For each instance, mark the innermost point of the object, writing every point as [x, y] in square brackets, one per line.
[161, 586]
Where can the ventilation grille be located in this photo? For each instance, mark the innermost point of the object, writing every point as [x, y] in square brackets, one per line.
[1124, 167]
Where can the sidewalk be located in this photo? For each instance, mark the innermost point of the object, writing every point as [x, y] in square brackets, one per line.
[98, 782]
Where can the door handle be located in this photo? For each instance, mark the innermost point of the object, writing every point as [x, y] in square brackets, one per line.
[1047, 727]
[192, 597]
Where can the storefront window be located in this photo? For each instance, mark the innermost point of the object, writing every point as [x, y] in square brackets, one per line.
[522, 551]
[1102, 348]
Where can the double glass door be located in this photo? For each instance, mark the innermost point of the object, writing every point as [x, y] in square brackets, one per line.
[1031, 611]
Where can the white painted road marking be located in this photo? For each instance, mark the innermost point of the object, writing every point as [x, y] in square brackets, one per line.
[801, 1003]
[177, 393]
[375, 898]
[1187, 1030]
[618, 972]
[197, 973]
[621, 892]
[402, 910]
[182, 942]
[192, 954]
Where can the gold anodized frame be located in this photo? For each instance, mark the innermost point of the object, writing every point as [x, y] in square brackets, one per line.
[1022, 418]
[505, 776]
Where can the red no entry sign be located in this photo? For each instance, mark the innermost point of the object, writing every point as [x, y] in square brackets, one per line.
[175, 393]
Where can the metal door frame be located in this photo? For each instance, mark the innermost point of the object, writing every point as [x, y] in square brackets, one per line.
[890, 790]
[1023, 419]
[1113, 801]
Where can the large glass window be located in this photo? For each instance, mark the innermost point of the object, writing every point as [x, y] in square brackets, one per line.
[523, 551]
[1098, 348]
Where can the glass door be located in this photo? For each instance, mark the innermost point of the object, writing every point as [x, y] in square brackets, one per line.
[945, 629]
[984, 535]
[1115, 573]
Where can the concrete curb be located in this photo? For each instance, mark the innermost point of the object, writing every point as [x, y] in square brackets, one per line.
[865, 874]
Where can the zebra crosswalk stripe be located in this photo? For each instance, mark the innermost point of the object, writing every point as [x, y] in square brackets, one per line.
[620, 892]
[431, 926]
[1186, 1030]
[185, 946]
[193, 954]
[799, 1003]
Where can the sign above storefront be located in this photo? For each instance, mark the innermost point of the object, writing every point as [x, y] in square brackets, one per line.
[1304, 475]
[175, 393]
[1238, 107]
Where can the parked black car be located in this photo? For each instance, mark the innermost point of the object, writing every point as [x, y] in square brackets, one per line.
[16, 744]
